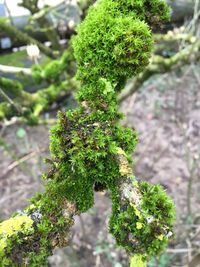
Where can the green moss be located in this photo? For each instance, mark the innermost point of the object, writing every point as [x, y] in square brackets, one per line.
[143, 228]
[32, 104]
[11, 87]
[88, 145]
[114, 41]
[37, 73]
[4, 109]
[83, 153]
[52, 72]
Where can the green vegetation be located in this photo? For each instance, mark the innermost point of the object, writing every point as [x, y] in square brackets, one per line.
[14, 59]
[89, 146]
[57, 75]
[144, 230]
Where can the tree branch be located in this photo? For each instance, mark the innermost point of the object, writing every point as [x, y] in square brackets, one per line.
[59, 77]
[36, 231]
[16, 34]
[32, 104]
[44, 226]
[89, 146]
[159, 64]
[15, 70]
[50, 32]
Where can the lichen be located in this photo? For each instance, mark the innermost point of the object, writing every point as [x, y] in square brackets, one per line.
[138, 261]
[14, 225]
[11, 229]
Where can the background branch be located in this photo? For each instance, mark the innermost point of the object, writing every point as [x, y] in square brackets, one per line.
[16, 34]
[159, 64]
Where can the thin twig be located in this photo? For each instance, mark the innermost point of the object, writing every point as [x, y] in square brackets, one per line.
[16, 163]
[178, 250]
[84, 235]
[7, 98]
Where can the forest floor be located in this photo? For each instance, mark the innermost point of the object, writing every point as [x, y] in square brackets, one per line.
[166, 114]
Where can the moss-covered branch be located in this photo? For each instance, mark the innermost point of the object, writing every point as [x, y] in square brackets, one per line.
[59, 77]
[50, 32]
[29, 237]
[89, 147]
[20, 36]
[30, 105]
[159, 64]
[138, 212]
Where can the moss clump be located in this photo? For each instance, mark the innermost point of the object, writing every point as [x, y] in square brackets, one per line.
[29, 238]
[4, 109]
[54, 71]
[84, 148]
[114, 41]
[91, 149]
[143, 227]
[14, 225]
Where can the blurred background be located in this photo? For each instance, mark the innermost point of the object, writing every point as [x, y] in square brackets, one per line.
[37, 78]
